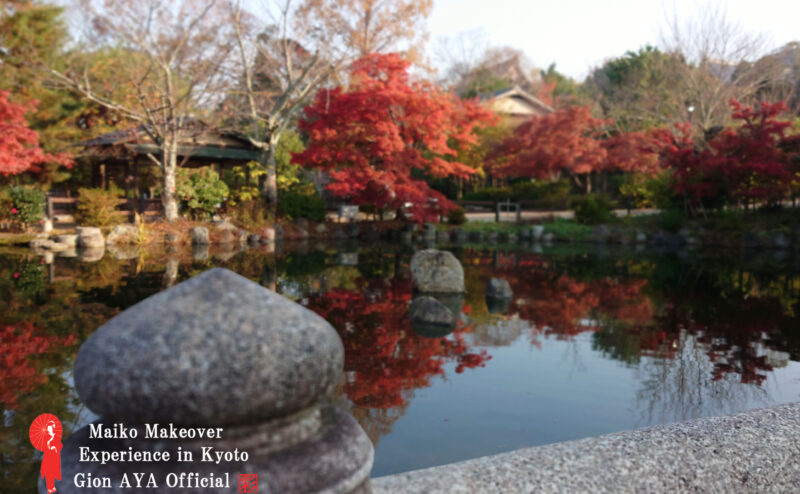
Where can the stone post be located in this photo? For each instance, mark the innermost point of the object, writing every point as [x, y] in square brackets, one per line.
[220, 351]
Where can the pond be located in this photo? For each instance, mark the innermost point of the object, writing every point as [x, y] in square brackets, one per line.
[595, 340]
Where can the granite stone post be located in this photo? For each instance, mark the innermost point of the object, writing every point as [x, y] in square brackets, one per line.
[220, 351]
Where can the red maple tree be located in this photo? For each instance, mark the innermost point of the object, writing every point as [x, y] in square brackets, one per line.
[19, 145]
[571, 141]
[745, 163]
[380, 136]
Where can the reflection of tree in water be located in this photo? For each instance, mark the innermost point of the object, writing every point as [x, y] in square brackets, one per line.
[682, 387]
[19, 343]
[32, 369]
[378, 422]
[704, 335]
[385, 361]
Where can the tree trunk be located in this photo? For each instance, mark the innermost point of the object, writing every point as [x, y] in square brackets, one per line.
[170, 273]
[169, 165]
[269, 188]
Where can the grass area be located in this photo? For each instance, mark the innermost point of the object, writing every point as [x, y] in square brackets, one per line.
[725, 223]
[15, 238]
[491, 226]
[562, 228]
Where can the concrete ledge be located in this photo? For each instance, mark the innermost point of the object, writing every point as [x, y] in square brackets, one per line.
[754, 451]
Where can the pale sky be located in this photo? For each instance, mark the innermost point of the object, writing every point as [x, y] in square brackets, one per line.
[581, 34]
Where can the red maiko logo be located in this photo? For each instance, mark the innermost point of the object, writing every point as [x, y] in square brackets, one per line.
[45, 435]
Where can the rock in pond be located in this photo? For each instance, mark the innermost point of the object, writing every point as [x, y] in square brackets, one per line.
[498, 288]
[122, 234]
[498, 295]
[90, 237]
[437, 271]
[91, 254]
[70, 240]
[431, 318]
[199, 235]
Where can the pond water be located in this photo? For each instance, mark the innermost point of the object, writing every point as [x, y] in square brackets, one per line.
[595, 340]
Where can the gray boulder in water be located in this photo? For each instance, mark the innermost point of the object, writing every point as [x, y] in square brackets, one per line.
[437, 271]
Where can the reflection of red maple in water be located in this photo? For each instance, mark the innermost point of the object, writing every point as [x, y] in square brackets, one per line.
[563, 306]
[385, 359]
[17, 373]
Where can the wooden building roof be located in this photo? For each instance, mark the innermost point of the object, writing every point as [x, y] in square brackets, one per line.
[515, 103]
[201, 145]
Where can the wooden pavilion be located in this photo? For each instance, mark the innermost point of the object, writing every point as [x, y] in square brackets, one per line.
[121, 157]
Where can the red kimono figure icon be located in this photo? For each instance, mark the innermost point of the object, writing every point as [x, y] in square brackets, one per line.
[45, 435]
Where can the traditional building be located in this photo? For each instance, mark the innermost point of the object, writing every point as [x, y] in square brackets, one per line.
[515, 104]
[125, 157]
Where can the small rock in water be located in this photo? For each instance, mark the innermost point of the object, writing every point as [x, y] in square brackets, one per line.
[499, 288]
[429, 317]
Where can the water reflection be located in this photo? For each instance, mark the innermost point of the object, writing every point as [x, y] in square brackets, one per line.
[692, 334]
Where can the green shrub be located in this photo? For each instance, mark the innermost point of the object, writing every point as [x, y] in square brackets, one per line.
[27, 204]
[732, 221]
[649, 191]
[446, 185]
[457, 216]
[31, 278]
[98, 207]
[6, 204]
[671, 220]
[252, 214]
[200, 190]
[301, 203]
[592, 209]
[546, 194]
[489, 194]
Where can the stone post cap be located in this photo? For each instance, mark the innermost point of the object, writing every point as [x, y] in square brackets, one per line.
[217, 349]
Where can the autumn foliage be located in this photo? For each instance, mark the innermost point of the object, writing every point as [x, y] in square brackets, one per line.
[18, 343]
[379, 137]
[742, 164]
[385, 359]
[19, 144]
[571, 141]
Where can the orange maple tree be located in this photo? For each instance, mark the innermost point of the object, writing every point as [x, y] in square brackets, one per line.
[382, 135]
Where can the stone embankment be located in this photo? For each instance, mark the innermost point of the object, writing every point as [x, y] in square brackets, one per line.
[754, 451]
